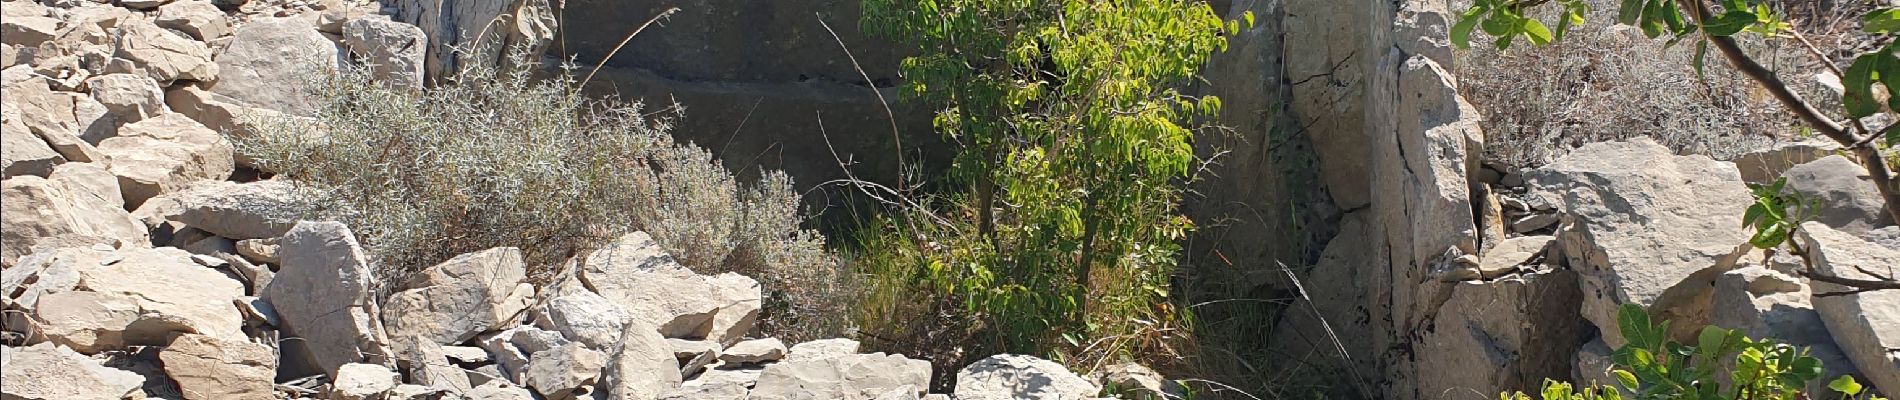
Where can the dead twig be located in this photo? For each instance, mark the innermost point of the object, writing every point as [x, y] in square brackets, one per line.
[623, 43]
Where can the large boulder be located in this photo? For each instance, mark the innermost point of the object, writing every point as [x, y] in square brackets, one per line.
[392, 50]
[1865, 325]
[198, 18]
[163, 55]
[129, 97]
[1012, 376]
[1763, 166]
[322, 292]
[87, 322]
[22, 152]
[165, 154]
[1765, 303]
[855, 376]
[584, 317]
[482, 29]
[270, 62]
[1522, 328]
[636, 275]
[79, 205]
[237, 211]
[1648, 227]
[559, 372]
[642, 366]
[1846, 197]
[209, 368]
[459, 298]
[356, 381]
[174, 294]
[49, 372]
[55, 114]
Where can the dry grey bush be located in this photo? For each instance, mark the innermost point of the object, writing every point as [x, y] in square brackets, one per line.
[502, 158]
[1607, 82]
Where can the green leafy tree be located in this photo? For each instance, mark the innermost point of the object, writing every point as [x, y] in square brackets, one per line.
[1715, 26]
[1072, 144]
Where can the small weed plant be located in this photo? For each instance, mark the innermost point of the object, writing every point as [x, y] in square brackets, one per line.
[1722, 364]
[498, 157]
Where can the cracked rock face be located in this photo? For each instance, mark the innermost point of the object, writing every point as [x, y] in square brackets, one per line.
[322, 293]
[1656, 236]
[1865, 325]
[210, 368]
[48, 372]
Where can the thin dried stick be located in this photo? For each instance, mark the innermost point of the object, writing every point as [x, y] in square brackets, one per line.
[623, 43]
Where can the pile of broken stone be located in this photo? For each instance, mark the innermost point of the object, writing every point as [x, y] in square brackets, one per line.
[143, 257]
[1638, 224]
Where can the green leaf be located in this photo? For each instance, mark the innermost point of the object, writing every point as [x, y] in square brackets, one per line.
[1887, 67]
[1881, 21]
[1710, 340]
[1627, 379]
[1701, 54]
[1729, 24]
[1774, 235]
[1846, 385]
[1535, 31]
[1499, 24]
[1461, 33]
[1859, 85]
[1633, 322]
[1806, 368]
[1630, 12]
[1754, 213]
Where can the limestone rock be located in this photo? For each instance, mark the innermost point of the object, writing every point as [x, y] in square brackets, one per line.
[641, 366]
[322, 291]
[241, 211]
[218, 112]
[1140, 382]
[22, 152]
[753, 352]
[86, 322]
[128, 97]
[57, 115]
[392, 50]
[644, 281]
[174, 295]
[1763, 166]
[693, 355]
[258, 250]
[584, 317]
[210, 368]
[165, 56]
[509, 24]
[498, 390]
[268, 61]
[198, 18]
[28, 31]
[1521, 328]
[1865, 325]
[75, 207]
[556, 373]
[164, 154]
[857, 376]
[1765, 303]
[1848, 200]
[1656, 236]
[822, 349]
[459, 298]
[49, 372]
[1011, 376]
[356, 381]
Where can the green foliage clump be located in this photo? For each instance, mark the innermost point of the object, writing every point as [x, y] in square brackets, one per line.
[1073, 143]
[497, 157]
[1722, 364]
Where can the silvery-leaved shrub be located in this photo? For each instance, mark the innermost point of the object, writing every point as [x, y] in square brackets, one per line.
[502, 157]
